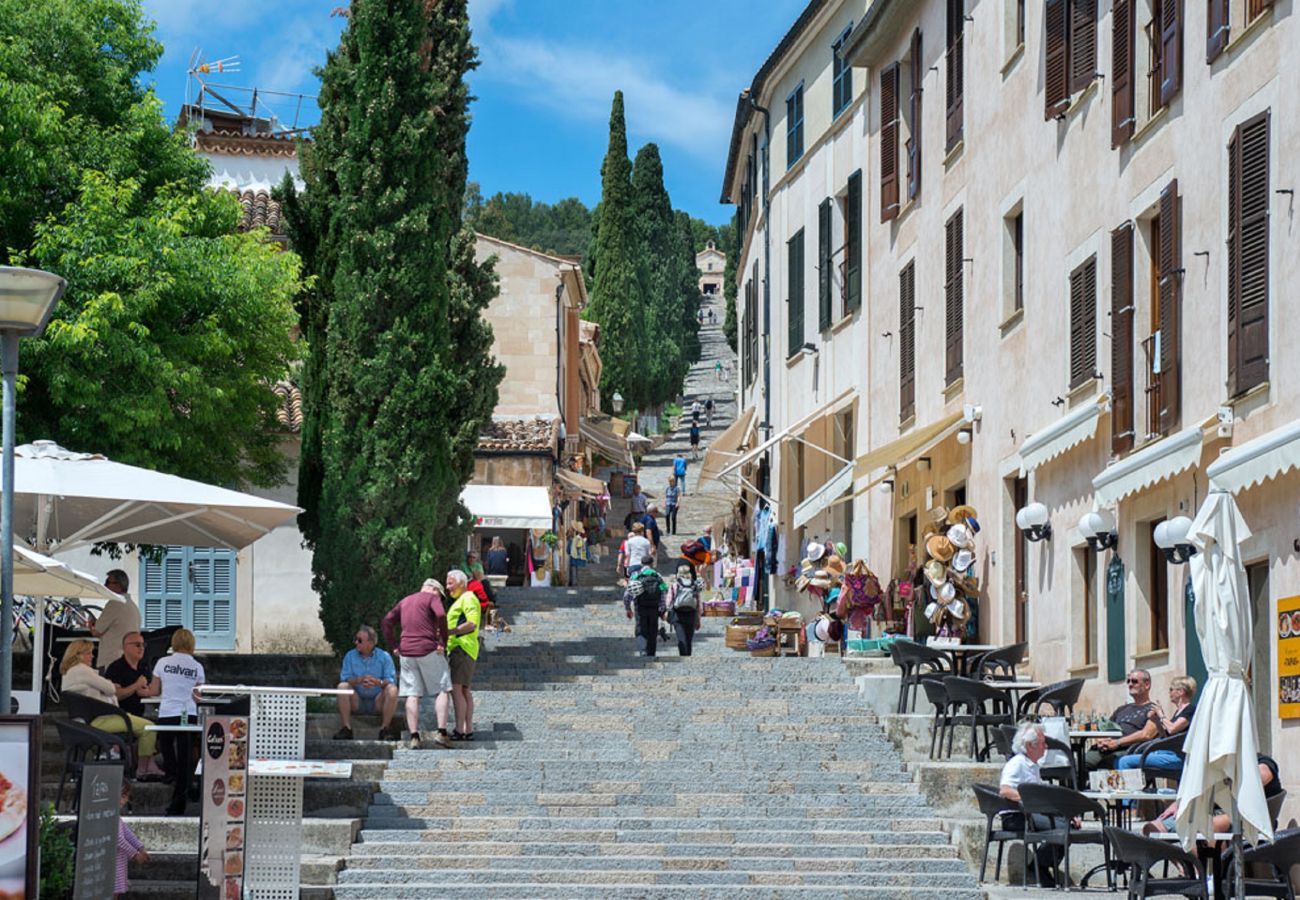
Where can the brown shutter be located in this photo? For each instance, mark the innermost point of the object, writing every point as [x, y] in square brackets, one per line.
[824, 264]
[1217, 19]
[1121, 339]
[953, 312]
[1248, 180]
[1083, 323]
[1083, 43]
[889, 143]
[1256, 7]
[907, 342]
[1171, 54]
[917, 75]
[956, 69]
[1124, 22]
[1171, 280]
[1057, 79]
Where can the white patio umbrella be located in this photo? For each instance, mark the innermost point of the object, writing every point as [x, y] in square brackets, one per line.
[1221, 746]
[64, 500]
[37, 575]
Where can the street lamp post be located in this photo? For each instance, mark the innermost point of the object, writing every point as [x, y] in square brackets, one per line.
[27, 298]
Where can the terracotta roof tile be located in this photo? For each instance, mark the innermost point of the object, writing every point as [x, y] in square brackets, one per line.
[261, 210]
[289, 412]
[220, 140]
[532, 434]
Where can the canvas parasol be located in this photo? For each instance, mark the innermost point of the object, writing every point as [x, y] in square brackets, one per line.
[37, 575]
[1221, 746]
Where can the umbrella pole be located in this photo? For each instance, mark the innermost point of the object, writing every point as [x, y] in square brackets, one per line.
[9, 363]
[1239, 870]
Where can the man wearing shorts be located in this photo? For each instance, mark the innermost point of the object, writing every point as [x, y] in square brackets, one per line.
[369, 672]
[423, 647]
[463, 621]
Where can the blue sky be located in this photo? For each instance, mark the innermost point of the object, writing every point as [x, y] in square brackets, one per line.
[548, 72]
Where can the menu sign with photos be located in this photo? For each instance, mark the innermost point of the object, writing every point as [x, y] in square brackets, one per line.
[19, 792]
[222, 822]
[97, 818]
[1288, 657]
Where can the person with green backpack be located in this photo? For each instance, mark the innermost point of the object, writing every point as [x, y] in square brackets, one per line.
[684, 594]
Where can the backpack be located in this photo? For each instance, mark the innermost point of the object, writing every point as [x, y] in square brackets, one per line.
[646, 591]
[686, 597]
[679, 467]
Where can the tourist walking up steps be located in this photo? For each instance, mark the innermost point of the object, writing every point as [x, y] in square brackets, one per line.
[423, 619]
[684, 606]
[463, 620]
[672, 499]
[679, 471]
[695, 441]
[647, 595]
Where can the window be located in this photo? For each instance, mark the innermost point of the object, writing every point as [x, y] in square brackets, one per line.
[956, 73]
[794, 295]
[1123, 85]
[1121, 340]
[853, 244]
[916, 73]
[824, 263]
[907, 342]
[1165, 39]
[1085, 565]
[841, 76]
[1248, 196]
[1070, 51]
[1083, 322]
[193, 587]
[1158, 592]
[953, 297]
[750, 365]
[889, 143]
[1216, 28]
[1019, 500]
[1018, 266]
[794, 127]
[1168, 353]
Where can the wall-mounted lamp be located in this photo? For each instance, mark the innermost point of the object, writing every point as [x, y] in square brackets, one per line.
[963, 436]
[617, 402]
[1032, 520]
[923, 464]
[1171, 537]
[887, 486]
[809, 347]
[1098, 527]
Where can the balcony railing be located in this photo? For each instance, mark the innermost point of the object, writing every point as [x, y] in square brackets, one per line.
[1151, 350]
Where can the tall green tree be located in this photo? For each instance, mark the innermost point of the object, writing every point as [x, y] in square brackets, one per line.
[657, 246]
[618, 293]
[560, 229]
[688, 286]
[400, 354]
[730, 245]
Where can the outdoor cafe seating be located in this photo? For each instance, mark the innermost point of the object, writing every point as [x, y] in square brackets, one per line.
[1062, 805]
[994, 807]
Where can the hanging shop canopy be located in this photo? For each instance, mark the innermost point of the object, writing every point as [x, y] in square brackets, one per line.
[729, 446]
[591, 488]
[824, 496]
[839, 404]
[508, 505]
[898, 452]
[1152, 464]
[1069, 431]
[1258, 460]
[609, 443]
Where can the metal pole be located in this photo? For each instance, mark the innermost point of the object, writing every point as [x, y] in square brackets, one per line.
[9, 363]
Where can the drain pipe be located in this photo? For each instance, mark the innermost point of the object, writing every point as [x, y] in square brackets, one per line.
[767, 320]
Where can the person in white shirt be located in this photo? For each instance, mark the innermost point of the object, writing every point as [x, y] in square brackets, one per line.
[1029, 745]
[118, 619]
[80, 678]
[175, 678]
[638, 547]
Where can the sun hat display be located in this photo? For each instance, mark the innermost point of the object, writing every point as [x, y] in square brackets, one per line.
[939, 547]
[842, 549]
[963, 560]
[930, 609]
[835, 630]
[961, 513]
[961, 537]
[947, 591]
[928, 529]
[835, 565]
[815, 550]
[821, 629]
[939, 515]
[935, 573]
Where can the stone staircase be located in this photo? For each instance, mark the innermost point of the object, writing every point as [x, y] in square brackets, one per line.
[598, 773]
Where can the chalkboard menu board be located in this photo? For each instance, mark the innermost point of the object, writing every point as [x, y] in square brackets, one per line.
[97, 818]
[1115, 613]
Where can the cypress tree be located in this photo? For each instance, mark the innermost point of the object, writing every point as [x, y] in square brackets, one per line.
[731, 246]
[618, 296]
[652, 212]
[688, 287]
[399, 377]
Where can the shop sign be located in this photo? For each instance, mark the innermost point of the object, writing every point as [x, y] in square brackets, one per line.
[225, 791]
[1288, 657]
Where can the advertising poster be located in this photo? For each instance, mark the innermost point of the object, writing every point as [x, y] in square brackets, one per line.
[19, 793]
[1288, 657]
[98, 813]
[221, 823]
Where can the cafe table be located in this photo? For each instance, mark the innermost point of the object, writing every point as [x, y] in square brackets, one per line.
[1079, 740]
[961, 654]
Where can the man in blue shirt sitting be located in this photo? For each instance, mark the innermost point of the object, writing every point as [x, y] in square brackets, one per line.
[370, 673]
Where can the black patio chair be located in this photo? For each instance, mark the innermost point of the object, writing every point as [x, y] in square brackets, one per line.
[1141, 853]
[157, 642]
[976, 704]
[994, 806]
[1064, 775]
[937, 694]
[1060, 696]
[87, 709]
[1173, 743]
[1061, 805]
[918, 663]
[1003, 737]
[1275, 807]
[83, 744]
[1000, 663]
[1276, 859]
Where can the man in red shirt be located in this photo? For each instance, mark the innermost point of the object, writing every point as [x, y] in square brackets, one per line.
[423, 650]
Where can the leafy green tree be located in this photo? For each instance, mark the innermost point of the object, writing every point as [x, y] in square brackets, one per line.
[562, 229]
[687, 287]
[701, 233]
[618, 292]
[730, 245]
[401, 369]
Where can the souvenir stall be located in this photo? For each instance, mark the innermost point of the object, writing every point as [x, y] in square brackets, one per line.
[949, 589]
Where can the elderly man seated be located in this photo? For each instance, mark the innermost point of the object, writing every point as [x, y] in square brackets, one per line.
[1029, 745]
[1138, 720]
[370, 673]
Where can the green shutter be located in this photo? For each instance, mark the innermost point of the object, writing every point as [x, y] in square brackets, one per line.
[1116, 656]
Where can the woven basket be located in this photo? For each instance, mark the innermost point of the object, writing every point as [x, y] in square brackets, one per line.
[737, 635]
[766, 651]
[725, 611]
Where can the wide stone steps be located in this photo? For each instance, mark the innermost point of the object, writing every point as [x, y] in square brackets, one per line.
[607, 875]
[672, 844]
[760, 890]
[875, 831]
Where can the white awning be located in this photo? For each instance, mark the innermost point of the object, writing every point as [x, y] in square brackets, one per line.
[592, 488]
[1258, 460]
[1068, 431]
[821, 498]
[915, 442]
[1153, 463]
[606, 441]
[728, 446]
[508, 505]
[844, 400]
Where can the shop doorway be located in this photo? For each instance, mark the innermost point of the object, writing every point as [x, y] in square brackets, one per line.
[1261, 669]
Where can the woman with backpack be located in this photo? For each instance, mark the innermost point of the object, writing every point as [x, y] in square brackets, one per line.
[684, 594]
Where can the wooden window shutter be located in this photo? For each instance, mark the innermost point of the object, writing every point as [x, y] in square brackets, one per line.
[824, 264]
[1256, 7]
[1121, 339]
[1171, 54]
[956, 69]
[1248, 180]
[953, 312]
[1123, 84]
[1083, 43]
[1171, 279]
[917, 75]
[1057, 75]
[794, 284]
[1217, 19]
[1083, 322]
[889, 143]
[853, 243]
[907, 342]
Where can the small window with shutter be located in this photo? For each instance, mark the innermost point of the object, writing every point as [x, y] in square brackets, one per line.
[889, 107]
[853, 243]
[193, 587]
[794, 127]
[1122, 84]
[915, 78]
[794, 293]
[1083, 322]
[1248, 256]
[1069, 51]
[1121, 339]
[956, 75]
[907, 342]
[954, 298]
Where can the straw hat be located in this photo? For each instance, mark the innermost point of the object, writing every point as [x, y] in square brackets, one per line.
[961, 513]
[961, 537]
[939, 547]
[939, 514]
[835, 566]
[928, 529]
[935, 573]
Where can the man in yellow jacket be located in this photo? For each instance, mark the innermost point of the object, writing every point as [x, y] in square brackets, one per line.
[463, 620]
